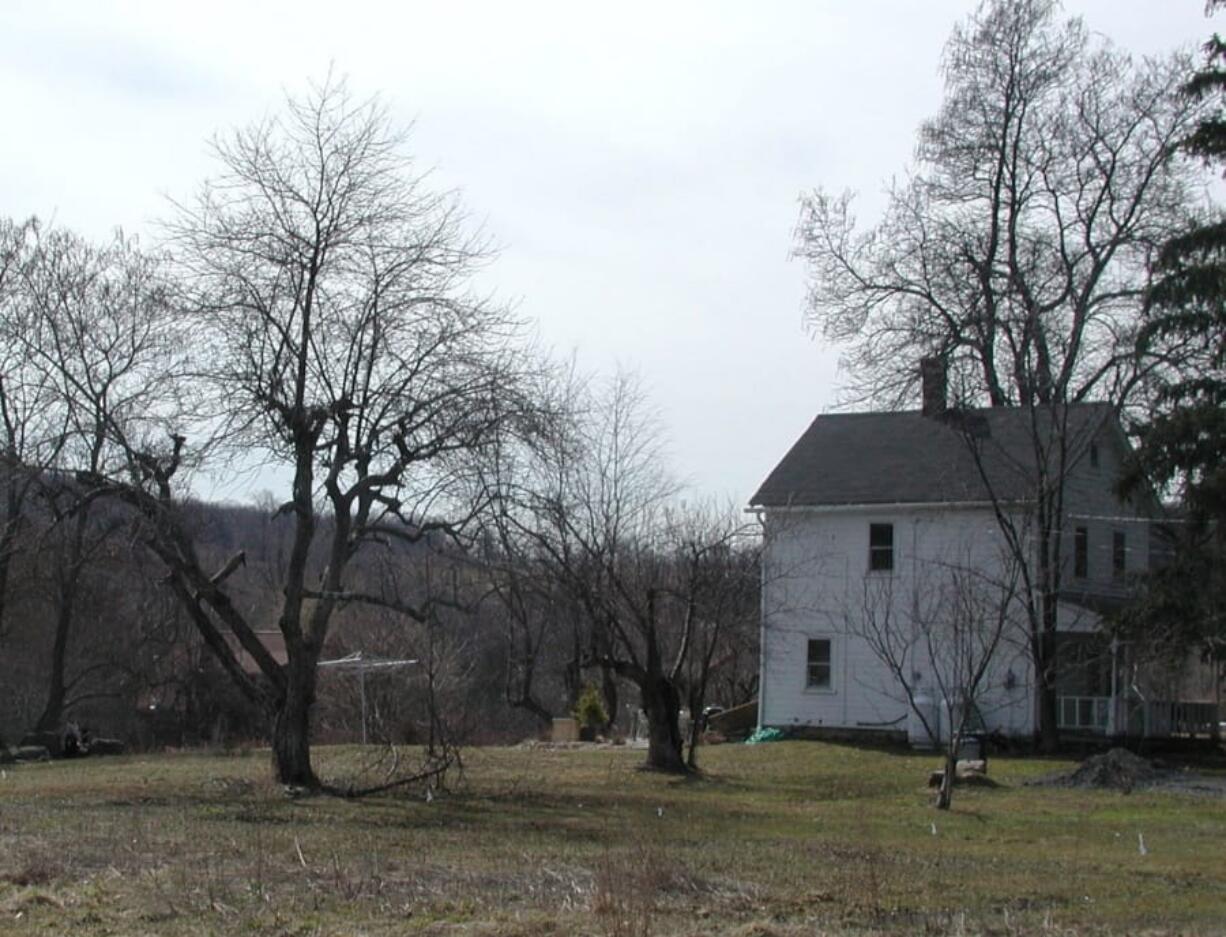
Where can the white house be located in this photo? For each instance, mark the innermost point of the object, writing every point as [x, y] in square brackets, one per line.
[868, 515]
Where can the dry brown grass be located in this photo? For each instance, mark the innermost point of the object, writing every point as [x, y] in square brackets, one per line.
[776, 841]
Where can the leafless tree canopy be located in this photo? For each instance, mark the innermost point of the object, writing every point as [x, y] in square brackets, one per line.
[313, 313]
[1017, 244]
[320, 319]
[655, 585]
[944, 639]
[87, 380]
[30, 436]
[332, 288]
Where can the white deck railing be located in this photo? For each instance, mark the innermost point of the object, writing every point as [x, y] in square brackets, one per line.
[1151, 719]
[1174, 718]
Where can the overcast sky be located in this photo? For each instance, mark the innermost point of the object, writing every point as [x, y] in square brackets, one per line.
[638, 163]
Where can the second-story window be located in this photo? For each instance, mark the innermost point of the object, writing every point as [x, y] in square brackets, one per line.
[1119, 554]
[880, 547]
[1081, 553]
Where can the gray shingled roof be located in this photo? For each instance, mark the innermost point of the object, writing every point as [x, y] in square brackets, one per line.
[909, 458]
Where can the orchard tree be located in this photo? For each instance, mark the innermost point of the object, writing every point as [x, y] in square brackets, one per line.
[593, 510]
[947, 638]
[338, 342]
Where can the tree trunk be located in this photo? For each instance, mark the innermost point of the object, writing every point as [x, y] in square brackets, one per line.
[696, 727]
[70, 577]
[291, 725]
[572, 675]
[1045, 678]
[662, 706]
[1217, 590]
[8, 541]
[1215, 730]
[945, 796]
[697, 697]
[53, 708]
[608, 689]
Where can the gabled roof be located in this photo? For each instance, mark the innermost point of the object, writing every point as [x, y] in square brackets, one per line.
[908, 458]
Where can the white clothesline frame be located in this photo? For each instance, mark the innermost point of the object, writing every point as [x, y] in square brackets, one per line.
[358, 662]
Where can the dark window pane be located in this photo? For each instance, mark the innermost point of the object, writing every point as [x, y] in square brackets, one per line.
[1081, 553]
[818, 664]
[880, 547]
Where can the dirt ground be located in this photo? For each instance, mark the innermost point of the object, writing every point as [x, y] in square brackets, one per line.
[1120, 769]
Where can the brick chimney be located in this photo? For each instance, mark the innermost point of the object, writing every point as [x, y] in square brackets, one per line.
[933, 380]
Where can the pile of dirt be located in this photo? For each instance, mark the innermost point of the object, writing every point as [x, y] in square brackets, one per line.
[1117, 769]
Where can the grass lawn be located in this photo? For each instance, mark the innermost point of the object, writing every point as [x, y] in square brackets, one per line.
[782, 839]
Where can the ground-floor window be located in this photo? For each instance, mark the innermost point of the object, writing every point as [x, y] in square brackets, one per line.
[818, 671]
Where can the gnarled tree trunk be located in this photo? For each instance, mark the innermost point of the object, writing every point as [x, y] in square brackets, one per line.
[291, 723]
[662, 705]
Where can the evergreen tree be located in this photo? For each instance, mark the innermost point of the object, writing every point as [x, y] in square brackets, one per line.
[1186, 440]
[1183, 446]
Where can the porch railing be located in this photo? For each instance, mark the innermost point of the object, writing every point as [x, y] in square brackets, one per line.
[1175, 718]
[1150, 719]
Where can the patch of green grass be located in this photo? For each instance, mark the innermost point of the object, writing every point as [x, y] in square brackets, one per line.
[774, 840]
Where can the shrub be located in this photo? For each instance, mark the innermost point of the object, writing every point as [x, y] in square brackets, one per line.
[589, 710]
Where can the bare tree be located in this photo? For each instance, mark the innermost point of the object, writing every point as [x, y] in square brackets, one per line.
[92, 335]
[1026, 482]
[598, 554]
[335, 338]
[720, 556]
[30, 436]
[72, 320]
[596, 511]
[703, 567]
[943, 638]
[539, 622]
[1018, 245]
